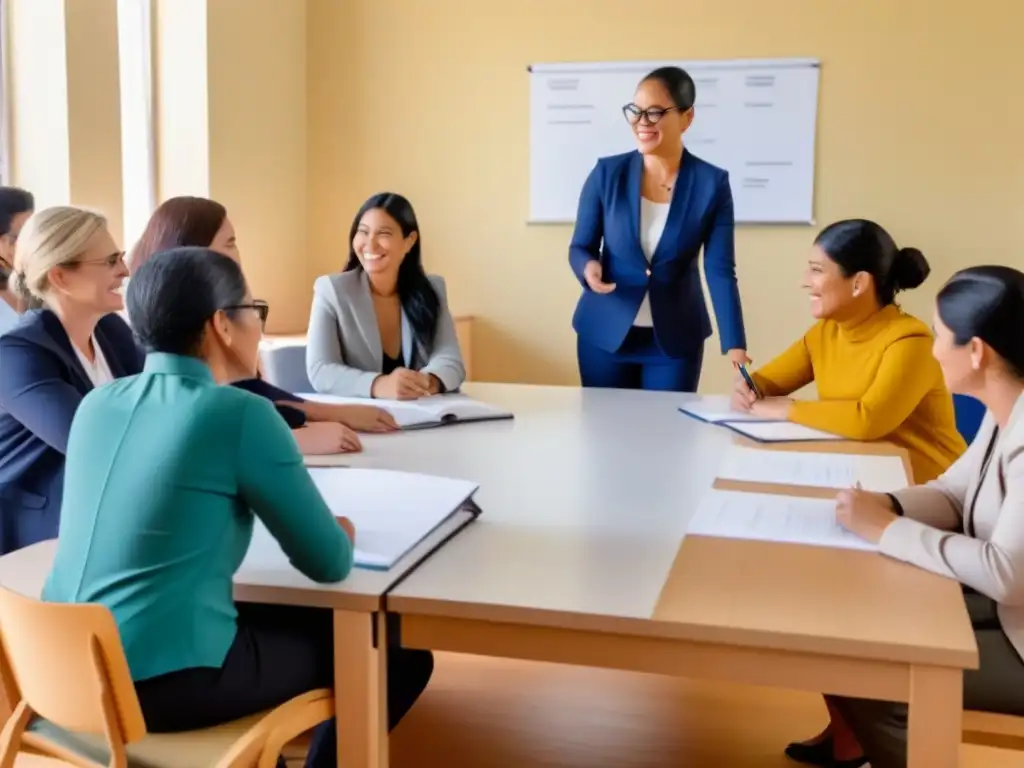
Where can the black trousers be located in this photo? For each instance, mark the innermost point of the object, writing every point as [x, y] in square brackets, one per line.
[996, 686]
[279, 653]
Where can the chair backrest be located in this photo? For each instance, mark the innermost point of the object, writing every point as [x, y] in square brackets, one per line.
[66, 664]
[284, 366]
[969, 415]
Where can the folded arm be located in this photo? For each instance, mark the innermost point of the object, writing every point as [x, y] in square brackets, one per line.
[720, 270]
[887, 403]
[790, 371]
[35, 391]
[995, 567]
[588, 233]
[325, 358]
[277, 487]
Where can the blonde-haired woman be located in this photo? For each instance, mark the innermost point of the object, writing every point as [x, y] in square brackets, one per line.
[67, 261]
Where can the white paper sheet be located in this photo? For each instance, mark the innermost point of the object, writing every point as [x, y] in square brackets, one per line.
[428, 410]
[883, 474]
[779, 432]
[766, 517]
[716, 408]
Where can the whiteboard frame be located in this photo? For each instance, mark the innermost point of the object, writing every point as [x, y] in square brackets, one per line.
[570, 67]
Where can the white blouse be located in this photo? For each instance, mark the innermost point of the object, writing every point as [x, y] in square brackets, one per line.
[652, 224]
[98, 371]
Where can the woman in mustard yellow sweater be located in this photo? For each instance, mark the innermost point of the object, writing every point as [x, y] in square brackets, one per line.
[876, 380]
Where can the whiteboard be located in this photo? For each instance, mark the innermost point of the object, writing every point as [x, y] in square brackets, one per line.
[757, 119]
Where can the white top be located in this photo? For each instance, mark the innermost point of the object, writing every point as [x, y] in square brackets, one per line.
[98, 371]
[652, 224]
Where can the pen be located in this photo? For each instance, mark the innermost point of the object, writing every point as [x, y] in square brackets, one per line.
[750, 381]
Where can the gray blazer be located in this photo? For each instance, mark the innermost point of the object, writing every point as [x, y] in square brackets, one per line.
[969, 524]
[344, 353]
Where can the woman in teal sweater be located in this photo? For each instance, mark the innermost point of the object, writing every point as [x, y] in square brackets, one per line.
[166, 472]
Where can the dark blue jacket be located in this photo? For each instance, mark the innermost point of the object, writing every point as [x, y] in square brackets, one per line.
[608, 229]
[41, 384]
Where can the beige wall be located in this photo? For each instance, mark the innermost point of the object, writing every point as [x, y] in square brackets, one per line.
[918, 128]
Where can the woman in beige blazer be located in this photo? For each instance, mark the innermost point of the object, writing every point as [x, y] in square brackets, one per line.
[969, 524]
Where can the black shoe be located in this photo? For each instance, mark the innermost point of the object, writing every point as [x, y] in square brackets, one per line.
[820, 754]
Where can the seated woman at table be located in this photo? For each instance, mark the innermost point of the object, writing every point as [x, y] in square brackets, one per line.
[871, 362]
[969, 524]
[381, 328]
[166, 474]
[319, 428]
[67, 261]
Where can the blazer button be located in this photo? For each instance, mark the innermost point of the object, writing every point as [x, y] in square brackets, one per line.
[648, 273]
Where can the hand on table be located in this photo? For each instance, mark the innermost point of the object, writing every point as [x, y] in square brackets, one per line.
[866, 514]
[347, 526]
[366, 418]
[774, 408]
[402, 384]
[319, 438]
[593, 273]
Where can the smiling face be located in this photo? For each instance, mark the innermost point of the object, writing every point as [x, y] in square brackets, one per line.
[379, 243]
[832, 294]
[658, 125]
[93, 280]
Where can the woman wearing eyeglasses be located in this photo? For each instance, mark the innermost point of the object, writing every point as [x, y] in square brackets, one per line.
[67, 260]
[643, 216]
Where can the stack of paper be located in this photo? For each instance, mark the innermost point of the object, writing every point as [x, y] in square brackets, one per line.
[768, 517]
[436, 411]
[882, 474]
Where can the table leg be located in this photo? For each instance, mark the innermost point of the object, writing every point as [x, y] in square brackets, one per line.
[935, 717]
[360, 689]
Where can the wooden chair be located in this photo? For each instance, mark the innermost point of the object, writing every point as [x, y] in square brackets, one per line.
[64, 672]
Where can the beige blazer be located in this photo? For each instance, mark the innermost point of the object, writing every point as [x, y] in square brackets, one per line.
[343, 349]
[969, 523]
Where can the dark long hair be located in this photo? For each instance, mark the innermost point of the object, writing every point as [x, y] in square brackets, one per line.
[420, 301]
[987, 303]
[178, 222]
[13, 200]
[859, 245]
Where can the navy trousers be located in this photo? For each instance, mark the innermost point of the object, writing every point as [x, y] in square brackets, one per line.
[639, 364]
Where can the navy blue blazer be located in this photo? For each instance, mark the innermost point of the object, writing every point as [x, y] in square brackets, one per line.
[41, 384]
[608, 229]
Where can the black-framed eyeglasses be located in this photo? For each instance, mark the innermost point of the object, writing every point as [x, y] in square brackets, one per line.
[652, 115]
[259, 306]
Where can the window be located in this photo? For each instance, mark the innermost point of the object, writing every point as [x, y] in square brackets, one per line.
[138, 137]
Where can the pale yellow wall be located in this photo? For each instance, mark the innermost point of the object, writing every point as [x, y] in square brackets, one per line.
[231, 125]
[919, 128]
[64, 120]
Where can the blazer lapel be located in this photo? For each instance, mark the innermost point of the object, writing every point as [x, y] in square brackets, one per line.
[366, 318]
[678, 210]
[634, 179]
[111, 353]
[56, 338]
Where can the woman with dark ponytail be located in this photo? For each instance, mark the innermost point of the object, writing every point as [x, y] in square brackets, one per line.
[381, 328]
[876, 380]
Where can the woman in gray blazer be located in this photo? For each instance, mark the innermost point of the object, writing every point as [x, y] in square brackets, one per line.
[381, 328]
[969, 524]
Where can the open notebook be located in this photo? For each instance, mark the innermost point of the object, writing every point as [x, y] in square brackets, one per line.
[716, 409]
[436, 411]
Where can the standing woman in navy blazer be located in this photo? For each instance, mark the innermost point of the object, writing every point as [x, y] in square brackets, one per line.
[643, 216]
[67, 260]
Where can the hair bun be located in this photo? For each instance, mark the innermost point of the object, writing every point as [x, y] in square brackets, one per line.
[909, 269]
[19, 285]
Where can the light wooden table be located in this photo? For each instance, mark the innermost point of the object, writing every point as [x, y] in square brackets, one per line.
[360, 629]
[580, 558]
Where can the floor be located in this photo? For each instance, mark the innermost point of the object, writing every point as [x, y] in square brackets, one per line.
[496, 713]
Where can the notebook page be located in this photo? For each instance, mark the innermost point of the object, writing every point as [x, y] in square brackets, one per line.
[391, 511]
[882, 474]
[768, 517]
[427, 410]
[716, 408]
[779, 432]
